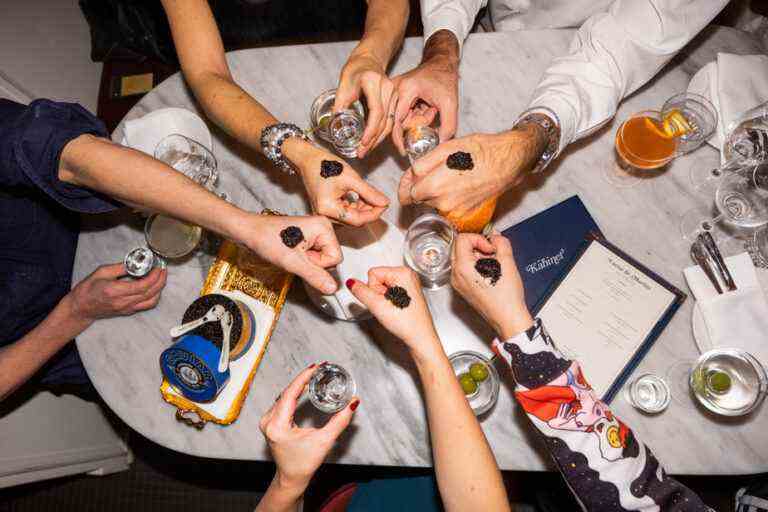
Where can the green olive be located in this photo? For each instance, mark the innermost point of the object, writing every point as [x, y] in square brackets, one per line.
[479, 372]
[468, 384]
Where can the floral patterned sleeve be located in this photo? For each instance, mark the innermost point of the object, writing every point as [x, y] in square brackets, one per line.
[606, 466]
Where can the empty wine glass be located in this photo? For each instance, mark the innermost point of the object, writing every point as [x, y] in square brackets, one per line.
[190, 158]
[343, 129]
[746, 143]
[649, 140]
[741, 205]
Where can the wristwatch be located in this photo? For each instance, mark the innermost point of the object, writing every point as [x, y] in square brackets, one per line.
[272, 138]
[548, 120]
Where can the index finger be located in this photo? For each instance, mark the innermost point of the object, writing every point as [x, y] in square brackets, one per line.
[466, 244]
[381, 278]
[137, 286]
[325, 250]
[286, 406]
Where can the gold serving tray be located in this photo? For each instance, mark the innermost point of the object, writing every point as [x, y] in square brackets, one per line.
[236, 268]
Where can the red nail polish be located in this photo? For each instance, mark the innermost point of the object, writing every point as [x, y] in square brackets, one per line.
[354, 405]
[313, 365]
[350, 283]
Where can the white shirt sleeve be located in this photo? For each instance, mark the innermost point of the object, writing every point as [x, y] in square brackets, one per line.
[613, 54]
[457, 16]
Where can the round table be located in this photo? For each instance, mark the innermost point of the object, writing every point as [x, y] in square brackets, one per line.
[498, 73]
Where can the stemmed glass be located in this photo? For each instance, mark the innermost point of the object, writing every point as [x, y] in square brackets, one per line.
[428, 245]
[172, 238]
[649, 140]
[343, 130]
[746, 144]
[740, 204]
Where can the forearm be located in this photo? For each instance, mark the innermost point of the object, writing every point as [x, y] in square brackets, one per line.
[20, 360]
[467, 474]
[597, 453]
[385, 25]
[137, 179]
[281, 496]
[613, 54]
[442, 49]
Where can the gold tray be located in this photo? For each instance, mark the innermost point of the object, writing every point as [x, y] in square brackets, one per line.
[235, 268]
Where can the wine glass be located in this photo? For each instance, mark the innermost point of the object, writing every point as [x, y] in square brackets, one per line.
[428, 245]
[746, 143]
[649, 140]
[190, 158]
[741, 205]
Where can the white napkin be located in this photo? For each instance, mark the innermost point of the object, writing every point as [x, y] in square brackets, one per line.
[734, 84]
[146, 132]
[736, 319]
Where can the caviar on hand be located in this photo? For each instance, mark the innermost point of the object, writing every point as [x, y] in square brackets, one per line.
[292, 236]
[460, 161]
[398, 296]
[489, 268]
[330, 168]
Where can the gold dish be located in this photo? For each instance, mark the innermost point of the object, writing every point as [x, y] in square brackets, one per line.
[236, 268]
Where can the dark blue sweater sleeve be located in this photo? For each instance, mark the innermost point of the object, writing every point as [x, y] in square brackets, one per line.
[32, 138]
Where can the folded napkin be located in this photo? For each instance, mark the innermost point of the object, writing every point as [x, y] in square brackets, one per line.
[146, 132]
[737, 319]
[734, 84]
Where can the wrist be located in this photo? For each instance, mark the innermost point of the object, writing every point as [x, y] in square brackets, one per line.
[365, 55]
[72, 319]
[426, 352]
[514, 324]
[297, 151]
[442, 49]
[291, 486]
[521, 148]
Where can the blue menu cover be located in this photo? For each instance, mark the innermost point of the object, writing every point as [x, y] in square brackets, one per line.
[545, 243]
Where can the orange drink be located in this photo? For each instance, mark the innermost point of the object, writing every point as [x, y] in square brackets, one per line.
[642, 141]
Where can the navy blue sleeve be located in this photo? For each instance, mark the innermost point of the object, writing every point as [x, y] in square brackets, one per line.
[31, 141]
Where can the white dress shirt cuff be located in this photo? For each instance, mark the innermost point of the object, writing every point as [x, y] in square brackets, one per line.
[566, 115]
[448, 17]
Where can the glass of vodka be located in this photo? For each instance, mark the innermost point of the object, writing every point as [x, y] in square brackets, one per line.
[331, 388]
[428, 245]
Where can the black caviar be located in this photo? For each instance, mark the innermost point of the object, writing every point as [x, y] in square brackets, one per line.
[213, 331]
[489, 268]
[330, 168]
[460, 161]
[292, 236]
[398, 296]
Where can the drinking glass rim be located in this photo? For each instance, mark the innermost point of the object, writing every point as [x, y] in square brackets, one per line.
[192, 142]
[762, 376]
[656, 114]
[658, 378]
[702, 100]
[148, 224]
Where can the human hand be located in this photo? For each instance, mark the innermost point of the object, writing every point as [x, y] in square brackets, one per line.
[502, 304]
[103, 294]
[435, 82]
[298, 452]
[365, 75]
[329, 196]
[499, 162]
[413, 323]
[318, 250]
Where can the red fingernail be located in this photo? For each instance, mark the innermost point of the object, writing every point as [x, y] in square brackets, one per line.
[350, 283]
[354, 405]
[313, 365]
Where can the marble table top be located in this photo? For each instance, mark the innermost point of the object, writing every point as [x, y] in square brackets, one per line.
[498, 73]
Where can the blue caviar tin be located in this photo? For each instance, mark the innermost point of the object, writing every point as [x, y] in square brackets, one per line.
[191, 368]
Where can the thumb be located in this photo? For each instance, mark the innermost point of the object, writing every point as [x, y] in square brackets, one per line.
[346, 94]
[363, 293]
[341, 420]
[317, 277]
[371, 194]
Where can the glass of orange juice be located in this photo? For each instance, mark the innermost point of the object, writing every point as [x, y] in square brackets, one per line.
[647, 141]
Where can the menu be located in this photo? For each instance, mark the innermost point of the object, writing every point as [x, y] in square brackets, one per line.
[606, 311]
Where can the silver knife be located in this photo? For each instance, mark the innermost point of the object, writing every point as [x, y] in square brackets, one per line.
[699, 255]
[717, 257]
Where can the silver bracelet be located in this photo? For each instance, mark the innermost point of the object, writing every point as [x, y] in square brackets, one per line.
[549, 121]
[272, 138]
